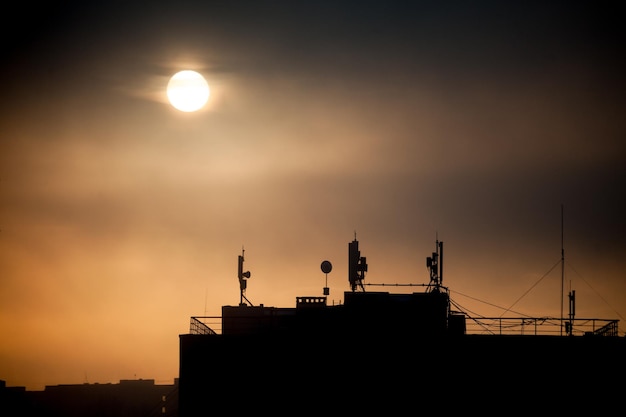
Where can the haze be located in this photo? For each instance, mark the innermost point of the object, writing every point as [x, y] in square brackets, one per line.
[473, 124]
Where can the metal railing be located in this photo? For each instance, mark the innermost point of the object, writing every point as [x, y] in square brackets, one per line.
[541, 326]
[205, 325]
[546, 326]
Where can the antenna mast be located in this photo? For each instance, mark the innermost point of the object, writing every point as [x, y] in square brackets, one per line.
[357, 265]
[562, 269]
[434, 264]
[242, 279]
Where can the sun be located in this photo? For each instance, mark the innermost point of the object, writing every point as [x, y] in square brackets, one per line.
[188, 91]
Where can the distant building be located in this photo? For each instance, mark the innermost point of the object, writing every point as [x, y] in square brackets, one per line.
[134, 398]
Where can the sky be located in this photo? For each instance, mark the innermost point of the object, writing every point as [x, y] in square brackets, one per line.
[497, 128]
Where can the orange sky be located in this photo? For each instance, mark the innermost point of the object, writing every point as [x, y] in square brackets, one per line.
[121, 217]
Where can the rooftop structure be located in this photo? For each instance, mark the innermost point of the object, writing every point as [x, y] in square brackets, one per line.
[376, 347]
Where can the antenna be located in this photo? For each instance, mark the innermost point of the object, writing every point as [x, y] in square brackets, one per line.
[562, 268]
[243, 284]
[434, 264]
[357, 265]
[569, 325]
[326, 268]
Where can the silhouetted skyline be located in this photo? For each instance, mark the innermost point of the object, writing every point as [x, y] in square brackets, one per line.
[402, 122]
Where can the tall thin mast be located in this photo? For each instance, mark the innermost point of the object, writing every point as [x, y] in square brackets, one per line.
[562, 269]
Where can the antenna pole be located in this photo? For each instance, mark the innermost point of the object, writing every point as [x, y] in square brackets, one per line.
[242, 278]
[562, 268]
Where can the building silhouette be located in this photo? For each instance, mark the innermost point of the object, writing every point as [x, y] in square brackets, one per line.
[383, 352]
[128, 398]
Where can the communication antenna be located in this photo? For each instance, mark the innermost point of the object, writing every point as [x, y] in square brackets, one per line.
[243, 276]
[562, 268]
[434, 264]
[357, 265]
[326, 268]
[569, 325]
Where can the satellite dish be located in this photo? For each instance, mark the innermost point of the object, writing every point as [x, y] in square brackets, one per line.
[326, 267]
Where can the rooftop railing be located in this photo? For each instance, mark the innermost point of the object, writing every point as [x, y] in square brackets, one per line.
[205, 325]
[541, 326]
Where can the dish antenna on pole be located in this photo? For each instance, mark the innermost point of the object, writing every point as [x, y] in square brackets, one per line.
[326, 268]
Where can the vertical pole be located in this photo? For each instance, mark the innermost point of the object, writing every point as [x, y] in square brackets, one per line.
[562, 268]
[441, 263]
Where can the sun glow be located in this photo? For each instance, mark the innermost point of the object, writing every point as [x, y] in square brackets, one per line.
[188, 91]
